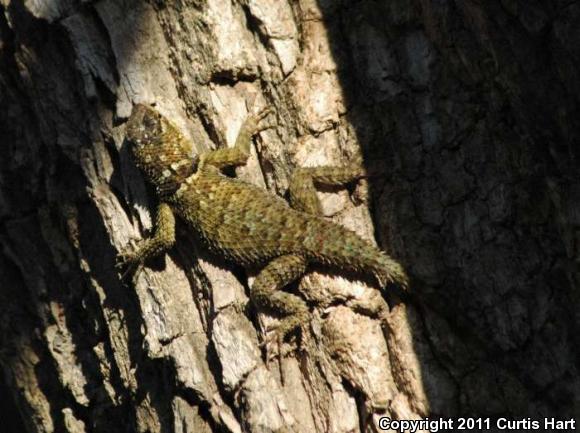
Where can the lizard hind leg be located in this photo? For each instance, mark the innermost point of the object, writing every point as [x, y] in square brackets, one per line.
[302, 185]
[335, 244]
[266, 293]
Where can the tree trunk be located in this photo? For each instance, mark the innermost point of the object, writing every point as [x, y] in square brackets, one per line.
[465, 113]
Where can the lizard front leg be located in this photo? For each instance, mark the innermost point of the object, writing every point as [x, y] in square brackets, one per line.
[163, 238]
[239, 154]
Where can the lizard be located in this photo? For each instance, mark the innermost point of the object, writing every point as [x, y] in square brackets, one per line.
[242, 222]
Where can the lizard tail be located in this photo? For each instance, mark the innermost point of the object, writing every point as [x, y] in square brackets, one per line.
[391, 271]
[338, 246]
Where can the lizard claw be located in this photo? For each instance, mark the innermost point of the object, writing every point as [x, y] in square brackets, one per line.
[127, 262]
[255, 123]
[277, 336]
[263, 113]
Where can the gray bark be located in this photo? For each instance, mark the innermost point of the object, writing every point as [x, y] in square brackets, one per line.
[466, 114]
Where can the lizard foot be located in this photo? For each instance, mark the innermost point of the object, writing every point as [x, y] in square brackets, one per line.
[256, 122]
[128, 262]
[277, 337]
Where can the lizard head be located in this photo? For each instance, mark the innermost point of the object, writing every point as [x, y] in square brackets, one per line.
[159, 149]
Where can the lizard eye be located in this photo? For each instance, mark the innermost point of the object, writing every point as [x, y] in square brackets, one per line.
[148, 123]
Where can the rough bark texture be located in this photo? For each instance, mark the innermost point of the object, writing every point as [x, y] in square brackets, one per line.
[468, 111]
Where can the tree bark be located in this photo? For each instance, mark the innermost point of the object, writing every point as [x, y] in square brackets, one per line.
[465, 113]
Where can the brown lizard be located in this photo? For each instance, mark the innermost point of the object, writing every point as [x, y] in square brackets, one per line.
[242, 222]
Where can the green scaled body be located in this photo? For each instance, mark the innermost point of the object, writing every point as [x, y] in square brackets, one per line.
[242, 222]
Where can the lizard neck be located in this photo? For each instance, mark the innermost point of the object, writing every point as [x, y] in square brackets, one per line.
[167, 170]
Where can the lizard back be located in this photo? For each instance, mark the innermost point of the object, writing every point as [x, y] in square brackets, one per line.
[245, 223]
[250, 226]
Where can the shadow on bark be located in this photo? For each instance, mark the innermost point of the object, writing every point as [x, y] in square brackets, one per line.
[472, 108]
[44, 134]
